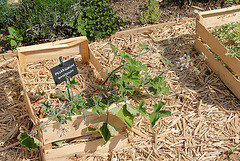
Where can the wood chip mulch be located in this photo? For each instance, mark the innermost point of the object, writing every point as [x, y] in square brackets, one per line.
[205, 115]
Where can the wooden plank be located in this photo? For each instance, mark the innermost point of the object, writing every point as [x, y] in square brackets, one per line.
[77, 127]
[217, 48]
[85, 52]
[231, 82]
[26, 98]
[97, 65]
[220, 16]
[151, 27]
[84, 148]
[53, 45]
[40, 55]
[22, 61]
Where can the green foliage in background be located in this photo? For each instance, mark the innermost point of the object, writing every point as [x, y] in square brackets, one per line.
[46, 19]
[98, 19]
[6, 13]
[14, 38]
[232, 2]
[57, 19]
[152, 14]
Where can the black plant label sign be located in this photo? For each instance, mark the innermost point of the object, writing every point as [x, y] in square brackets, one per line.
[68, 68]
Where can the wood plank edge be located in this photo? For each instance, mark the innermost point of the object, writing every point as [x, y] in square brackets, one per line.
[219, 11]
[50, 45]
[142, 29]
[86, 148]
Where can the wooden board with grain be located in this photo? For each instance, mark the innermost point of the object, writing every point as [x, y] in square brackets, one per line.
[219, 17]
[216, 18]
[79, 150]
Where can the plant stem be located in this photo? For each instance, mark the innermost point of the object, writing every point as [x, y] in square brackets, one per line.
[111, 74]
[149, 95]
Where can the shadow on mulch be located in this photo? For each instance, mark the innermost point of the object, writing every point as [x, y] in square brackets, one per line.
[13, 117]
[194, 73]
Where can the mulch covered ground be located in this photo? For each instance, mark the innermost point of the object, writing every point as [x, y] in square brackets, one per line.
[205, 115]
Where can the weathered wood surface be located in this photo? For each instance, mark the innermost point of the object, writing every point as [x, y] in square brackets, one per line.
[220, 16]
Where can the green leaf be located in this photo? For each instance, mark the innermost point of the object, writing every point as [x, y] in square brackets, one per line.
[144, 46]
[11, 31]
[131, 110]
[46, 106]
[70, 82]
[122, 85]
[94, 127]
[114, 49]
[141, 109]
[79, 103]
[169, 62]
[10, 36]
[29, 141]
[114, 131]
[62, 95]
[115, 110]
[158, 86]
[105, 132]
[13, 43]
[99, 105]
[59, 143]
[158, 106]
[102, 128]
[126, 117]
[155, 116]
[19, 37]
[132, 75]
[81, 31]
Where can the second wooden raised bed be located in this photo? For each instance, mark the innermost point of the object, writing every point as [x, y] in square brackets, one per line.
[208, 45]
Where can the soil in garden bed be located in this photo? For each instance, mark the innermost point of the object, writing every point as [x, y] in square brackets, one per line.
[171, 10]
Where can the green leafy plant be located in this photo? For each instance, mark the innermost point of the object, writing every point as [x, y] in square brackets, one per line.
[152, 14]
[6, 13]
[46, 19]
[14, 38]
[98, 19]
[229, 35]
[63, 18]
[129, 78]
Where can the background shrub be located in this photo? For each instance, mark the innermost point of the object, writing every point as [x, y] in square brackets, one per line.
[152, 14]
[46, 19]
[98, 19]
[6, 13]
[43, 19]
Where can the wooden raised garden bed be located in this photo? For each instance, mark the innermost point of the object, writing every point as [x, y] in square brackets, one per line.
[208, 45]
[76, 129]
